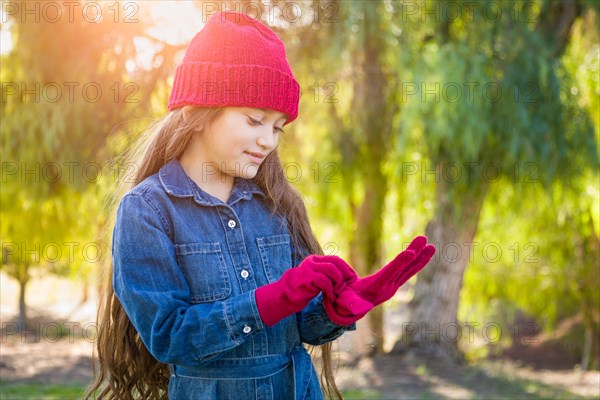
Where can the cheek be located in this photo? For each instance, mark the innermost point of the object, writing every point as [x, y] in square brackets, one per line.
[229, 144]
[242, 139]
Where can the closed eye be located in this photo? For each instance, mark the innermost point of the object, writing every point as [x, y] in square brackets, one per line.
[255, 122]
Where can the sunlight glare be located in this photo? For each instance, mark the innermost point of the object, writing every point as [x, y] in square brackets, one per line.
[174, 22]
[6, 43]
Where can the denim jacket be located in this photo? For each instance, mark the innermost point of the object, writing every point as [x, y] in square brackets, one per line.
[186, 267]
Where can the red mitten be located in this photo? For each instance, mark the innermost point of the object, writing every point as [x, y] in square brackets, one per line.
[296, 288]
[353, 301]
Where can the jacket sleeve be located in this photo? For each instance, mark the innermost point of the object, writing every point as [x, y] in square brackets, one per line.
[155, 295]
[314, 325]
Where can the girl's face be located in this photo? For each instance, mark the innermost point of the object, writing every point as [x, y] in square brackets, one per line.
[237, 142]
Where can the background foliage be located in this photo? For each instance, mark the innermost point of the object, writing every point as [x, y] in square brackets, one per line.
[353, 150]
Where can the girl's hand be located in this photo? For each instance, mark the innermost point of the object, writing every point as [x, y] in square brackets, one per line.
[297, 287]
[352, 301]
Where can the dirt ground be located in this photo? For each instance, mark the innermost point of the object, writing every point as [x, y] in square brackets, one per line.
[383, 377]
[40, 356]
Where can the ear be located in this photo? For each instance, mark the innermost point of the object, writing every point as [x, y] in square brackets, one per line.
[187, 114]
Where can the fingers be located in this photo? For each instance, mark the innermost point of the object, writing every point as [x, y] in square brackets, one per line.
[417, 244]
[338, 317]
[350, 303]
[392, 268]
[347, 308]
[324, 284]
[404, 258]
[422, 259]
[417, 265]
[348, 273]
[386, 274]
[356, 300]
[328, 271]
[407, 256]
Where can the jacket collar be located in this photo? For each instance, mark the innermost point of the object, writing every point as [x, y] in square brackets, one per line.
[176, 183]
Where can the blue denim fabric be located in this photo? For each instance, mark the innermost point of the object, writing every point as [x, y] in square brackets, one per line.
[186, 267]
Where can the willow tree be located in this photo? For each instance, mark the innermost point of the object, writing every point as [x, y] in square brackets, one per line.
[488, 98]
[64, 90]
[552, 274]
[342, 57]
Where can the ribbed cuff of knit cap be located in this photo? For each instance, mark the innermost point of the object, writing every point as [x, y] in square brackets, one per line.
[216, 85]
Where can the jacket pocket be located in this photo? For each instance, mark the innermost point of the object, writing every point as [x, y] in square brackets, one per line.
[204, 268]
[276, 255]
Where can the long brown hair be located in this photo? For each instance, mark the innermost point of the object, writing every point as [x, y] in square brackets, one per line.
[124, 368]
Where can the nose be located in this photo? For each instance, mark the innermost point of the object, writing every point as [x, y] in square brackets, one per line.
[267, 138]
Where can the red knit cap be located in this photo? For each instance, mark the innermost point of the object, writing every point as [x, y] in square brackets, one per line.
[236, 61]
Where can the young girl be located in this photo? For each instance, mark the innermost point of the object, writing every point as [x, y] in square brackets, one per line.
[217, 278]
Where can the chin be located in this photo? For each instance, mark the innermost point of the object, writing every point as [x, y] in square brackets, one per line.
[250, 171]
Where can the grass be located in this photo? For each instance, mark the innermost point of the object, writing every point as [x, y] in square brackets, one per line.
[18, 391]
[361, 395]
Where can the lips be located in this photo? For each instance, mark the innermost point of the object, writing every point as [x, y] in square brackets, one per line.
[257, 157]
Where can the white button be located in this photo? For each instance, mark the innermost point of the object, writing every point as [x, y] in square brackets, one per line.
[244, 274]
[231, 223]
[247, 329]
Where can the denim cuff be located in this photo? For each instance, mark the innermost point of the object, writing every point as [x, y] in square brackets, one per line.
[315, 326]
[242, 317]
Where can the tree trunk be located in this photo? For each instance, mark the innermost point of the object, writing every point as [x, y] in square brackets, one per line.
[555, 22]
[433, 327]
[587, 347]
[364, 148]
[370, 103]
[23, 279]
[85, 290]
[368, 234]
